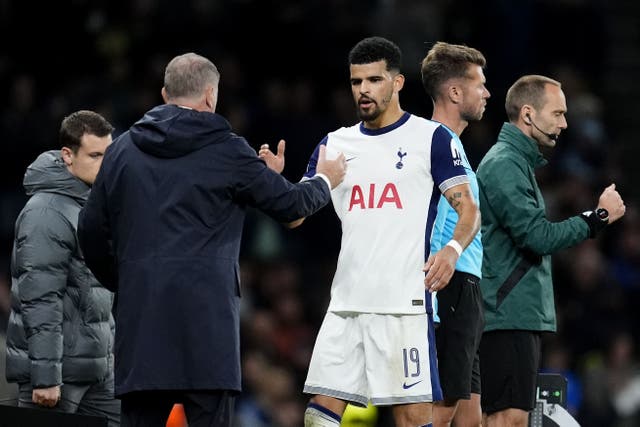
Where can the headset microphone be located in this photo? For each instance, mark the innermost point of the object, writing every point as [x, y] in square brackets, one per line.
[551, 136]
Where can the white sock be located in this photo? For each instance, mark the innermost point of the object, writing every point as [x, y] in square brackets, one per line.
[319, 416]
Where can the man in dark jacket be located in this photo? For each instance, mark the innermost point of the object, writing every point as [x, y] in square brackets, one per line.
[61, 331]
[162, 228]
[518, 241]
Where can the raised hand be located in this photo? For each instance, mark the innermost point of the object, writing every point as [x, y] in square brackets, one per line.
[610, 200]
[274, 162]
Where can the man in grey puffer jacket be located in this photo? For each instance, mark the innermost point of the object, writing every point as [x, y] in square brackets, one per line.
[61, 330]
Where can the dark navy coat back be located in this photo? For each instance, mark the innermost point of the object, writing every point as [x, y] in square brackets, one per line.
[162, 228]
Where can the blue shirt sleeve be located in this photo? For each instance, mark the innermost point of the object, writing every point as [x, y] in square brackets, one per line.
[446, 161]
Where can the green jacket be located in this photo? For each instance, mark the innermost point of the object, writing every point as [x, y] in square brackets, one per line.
[517, 237]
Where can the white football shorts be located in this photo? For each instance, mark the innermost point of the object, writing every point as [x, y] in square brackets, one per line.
[385, 359]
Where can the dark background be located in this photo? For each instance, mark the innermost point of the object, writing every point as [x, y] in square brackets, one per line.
[284, 74]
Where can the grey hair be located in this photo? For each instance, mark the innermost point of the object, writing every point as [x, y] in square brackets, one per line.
[187, 75]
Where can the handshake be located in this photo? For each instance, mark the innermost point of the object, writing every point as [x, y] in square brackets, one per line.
[334, 169]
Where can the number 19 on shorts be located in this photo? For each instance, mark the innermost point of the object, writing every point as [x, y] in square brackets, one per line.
[411, 361]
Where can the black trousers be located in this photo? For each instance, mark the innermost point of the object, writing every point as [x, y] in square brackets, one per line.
[202, 408]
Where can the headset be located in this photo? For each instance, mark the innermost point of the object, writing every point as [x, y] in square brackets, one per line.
[551, 136]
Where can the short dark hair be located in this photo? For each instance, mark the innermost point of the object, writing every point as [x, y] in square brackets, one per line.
[75, 125]
[445, 61]
[374, 49]
[528, 89]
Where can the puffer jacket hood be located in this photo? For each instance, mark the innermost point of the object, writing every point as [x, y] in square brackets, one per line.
[49, 174]
[171, 131]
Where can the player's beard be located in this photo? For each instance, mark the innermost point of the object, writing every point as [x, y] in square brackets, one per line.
[370, 115]
[472, 116]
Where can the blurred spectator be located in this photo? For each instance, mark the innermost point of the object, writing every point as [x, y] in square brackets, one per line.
[592, 305]
[612, 386]
[625, 261]
[8, 391]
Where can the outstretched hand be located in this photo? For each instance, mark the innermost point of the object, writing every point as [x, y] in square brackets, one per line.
[274, 162]
[333, 169]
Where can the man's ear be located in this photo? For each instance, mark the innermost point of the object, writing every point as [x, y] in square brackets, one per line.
[525, 114]
[163, 92]
[454, 93]
[67, 155]
[398, 82]
[210, 97]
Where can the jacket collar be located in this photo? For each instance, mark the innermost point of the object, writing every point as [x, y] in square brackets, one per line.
[527, 147]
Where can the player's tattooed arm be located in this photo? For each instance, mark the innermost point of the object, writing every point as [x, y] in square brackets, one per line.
[455, 200]
[441, 265]
[461, 200]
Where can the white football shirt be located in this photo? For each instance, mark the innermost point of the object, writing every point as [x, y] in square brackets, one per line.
[387, 205]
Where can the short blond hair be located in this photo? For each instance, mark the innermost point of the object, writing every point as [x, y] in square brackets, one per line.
[445, 61]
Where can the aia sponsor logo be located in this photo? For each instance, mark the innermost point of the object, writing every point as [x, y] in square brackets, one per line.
[372, 197]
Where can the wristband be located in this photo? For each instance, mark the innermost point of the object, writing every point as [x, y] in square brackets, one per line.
[455, 245]
[596, 220]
